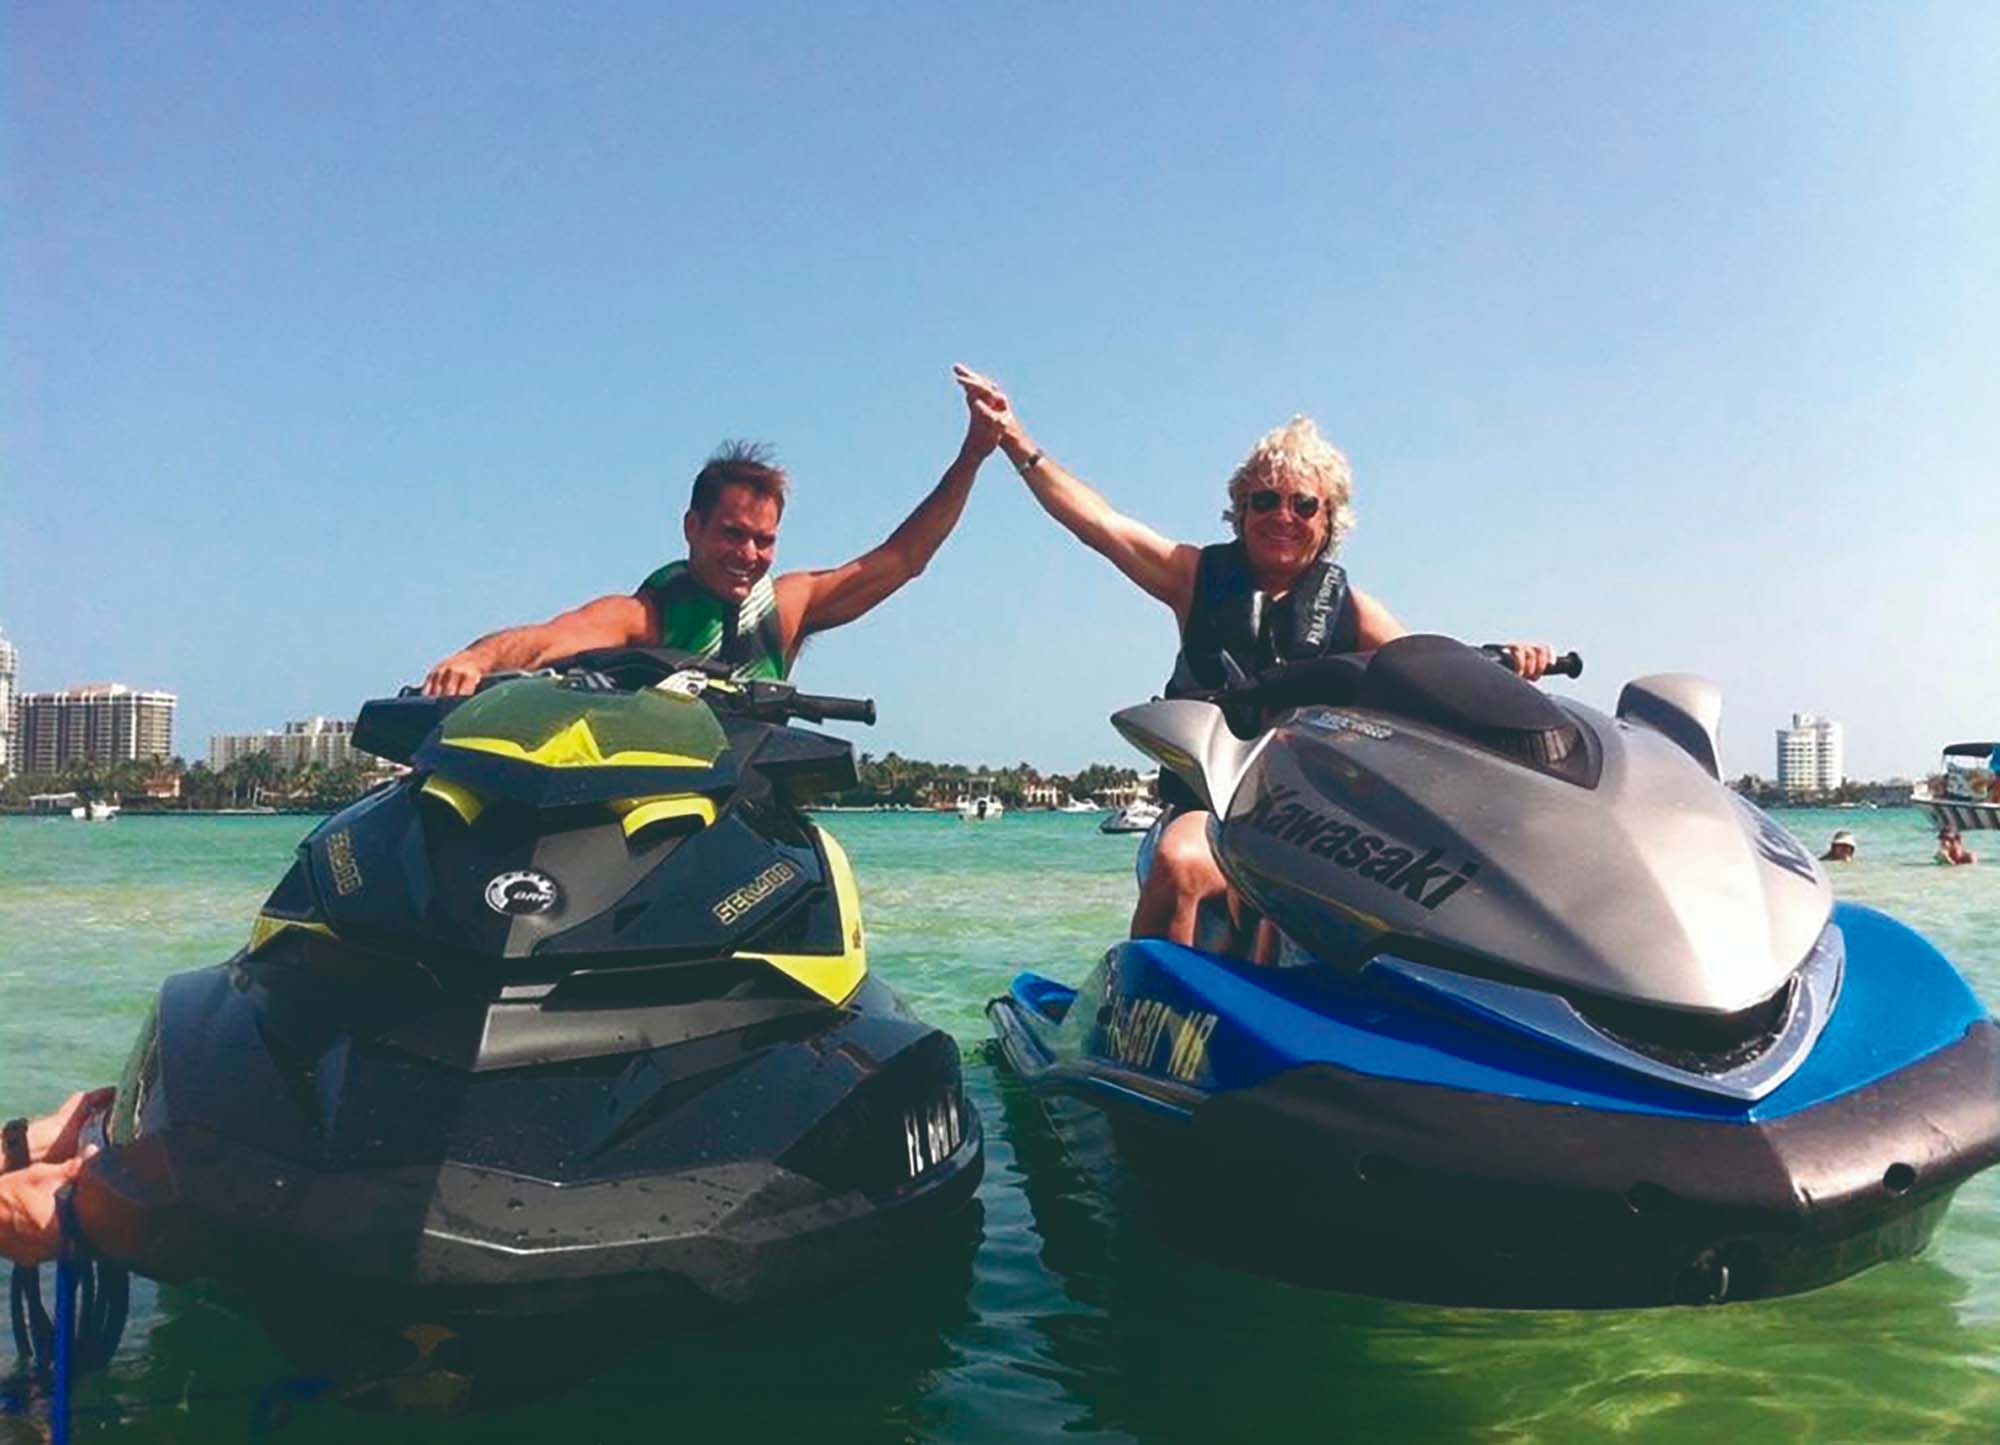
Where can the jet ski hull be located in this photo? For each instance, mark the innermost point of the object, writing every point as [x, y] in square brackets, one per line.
[362, 1180]
[1323, 1135]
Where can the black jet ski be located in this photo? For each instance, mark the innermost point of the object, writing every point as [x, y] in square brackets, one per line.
[1543, 1014]
[567, 1034]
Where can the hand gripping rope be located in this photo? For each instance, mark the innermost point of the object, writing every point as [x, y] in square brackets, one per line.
[92, 1297]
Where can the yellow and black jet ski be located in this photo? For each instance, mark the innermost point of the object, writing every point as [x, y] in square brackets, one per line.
[569, 1031]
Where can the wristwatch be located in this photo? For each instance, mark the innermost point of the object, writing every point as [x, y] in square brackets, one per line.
[15, 1135]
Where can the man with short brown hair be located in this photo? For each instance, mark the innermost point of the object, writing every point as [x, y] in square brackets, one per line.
[721, 601]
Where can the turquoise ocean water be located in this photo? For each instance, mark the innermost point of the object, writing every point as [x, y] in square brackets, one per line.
[1051, 1309]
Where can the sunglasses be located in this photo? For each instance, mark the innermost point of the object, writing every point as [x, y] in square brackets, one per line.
[1303, 504]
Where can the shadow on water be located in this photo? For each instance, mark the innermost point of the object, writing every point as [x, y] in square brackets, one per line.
[849, 1365]
[1163, 1345]
[1053, 1308]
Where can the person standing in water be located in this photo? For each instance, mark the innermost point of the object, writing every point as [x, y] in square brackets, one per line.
[1273, 593]
[1952, 850]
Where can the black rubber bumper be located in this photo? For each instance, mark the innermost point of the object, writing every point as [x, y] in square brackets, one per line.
[1433, 1194]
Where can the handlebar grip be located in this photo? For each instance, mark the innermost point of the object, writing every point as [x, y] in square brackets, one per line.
[1568, 664]
[834, 709]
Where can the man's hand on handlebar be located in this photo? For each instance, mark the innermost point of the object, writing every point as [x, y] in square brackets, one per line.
[1534, 660]
[1529, 659]
[457, 676]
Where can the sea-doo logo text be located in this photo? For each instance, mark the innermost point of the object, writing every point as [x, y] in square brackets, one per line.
[754, 892]
[522, 891]
[1427, 878]
[340, 858]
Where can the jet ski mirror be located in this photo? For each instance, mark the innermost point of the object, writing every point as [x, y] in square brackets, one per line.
[1193, 738]
[1683, 708]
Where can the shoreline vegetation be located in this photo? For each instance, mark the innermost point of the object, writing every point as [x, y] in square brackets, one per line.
[1895, 793]
[257, 786]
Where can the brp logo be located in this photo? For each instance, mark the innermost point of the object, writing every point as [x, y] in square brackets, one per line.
[521, 892]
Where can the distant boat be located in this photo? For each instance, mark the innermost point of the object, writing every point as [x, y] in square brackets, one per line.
[1966, 795]
[94, 811]
[1134, 817]
[1081, 805]
[979, 810]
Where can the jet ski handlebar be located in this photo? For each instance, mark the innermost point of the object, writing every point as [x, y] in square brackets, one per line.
[780, 700]
[634, 667]
[1335, 679]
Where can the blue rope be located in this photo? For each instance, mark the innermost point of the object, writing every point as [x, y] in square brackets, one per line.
[65, 1342]
[92, 1300]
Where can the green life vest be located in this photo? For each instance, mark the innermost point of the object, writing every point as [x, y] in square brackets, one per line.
[695, 620]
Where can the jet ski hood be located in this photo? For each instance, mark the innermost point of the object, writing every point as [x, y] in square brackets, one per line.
[1512, 835]
[1655, 886]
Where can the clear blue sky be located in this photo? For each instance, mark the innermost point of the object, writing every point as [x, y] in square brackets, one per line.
[335, 335]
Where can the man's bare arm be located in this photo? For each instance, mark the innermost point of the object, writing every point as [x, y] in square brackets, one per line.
[615, 621]
[810, 602]
[1163, 568]
[1374, 624]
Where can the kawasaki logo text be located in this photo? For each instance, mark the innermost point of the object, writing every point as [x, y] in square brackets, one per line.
[1427, 878]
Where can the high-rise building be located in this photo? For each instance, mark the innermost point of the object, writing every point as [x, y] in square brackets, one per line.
[1809, 755]
[10, 673]
[101, 722]
[328, 742]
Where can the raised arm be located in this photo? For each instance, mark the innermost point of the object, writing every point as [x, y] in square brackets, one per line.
[810, 602]
[608, 622]
[1164, 569]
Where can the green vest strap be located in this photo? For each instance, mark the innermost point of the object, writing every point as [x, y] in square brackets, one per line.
[693, 619]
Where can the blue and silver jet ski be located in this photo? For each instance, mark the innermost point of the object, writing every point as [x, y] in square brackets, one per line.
[1547, 1017]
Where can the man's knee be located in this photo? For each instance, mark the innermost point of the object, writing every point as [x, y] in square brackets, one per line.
[1183, 861]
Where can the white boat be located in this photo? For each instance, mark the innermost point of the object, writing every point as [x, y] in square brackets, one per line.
[94, 811]
[1134, 817]
[1081, 805]
[1966, 794]
[979, 810]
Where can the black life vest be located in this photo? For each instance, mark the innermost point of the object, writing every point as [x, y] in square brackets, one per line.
[1228, 614]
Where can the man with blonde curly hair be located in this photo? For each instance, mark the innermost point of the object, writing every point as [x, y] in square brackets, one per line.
[1272, 594]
